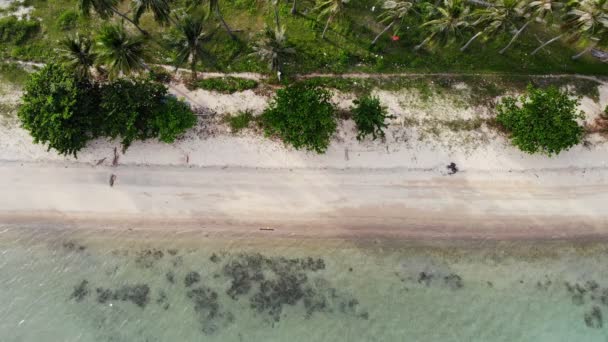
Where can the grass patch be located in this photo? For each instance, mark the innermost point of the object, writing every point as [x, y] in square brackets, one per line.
[226, 85]
[240, 121]
[13, 73]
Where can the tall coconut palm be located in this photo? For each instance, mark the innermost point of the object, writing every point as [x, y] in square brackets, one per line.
[587, 20]
[499, 17]
[159, 8]
[189, 41]
[77, 52]
[273, 48]
[294, 7]
[546, 11]
[393, 15]
[105, 9]
[120, 52]
[451, 21]
[330, 9]
[214, 7]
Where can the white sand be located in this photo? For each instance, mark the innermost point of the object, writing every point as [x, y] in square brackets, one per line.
[398, 186]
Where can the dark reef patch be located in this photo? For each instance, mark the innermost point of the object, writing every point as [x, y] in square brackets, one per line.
[137, 294]
[192, 278]
[72, 246]
[208, 309]
[593, 318]
[163, 300]
[148, 257]
[172, 251]
[81, 291]
[170, 276]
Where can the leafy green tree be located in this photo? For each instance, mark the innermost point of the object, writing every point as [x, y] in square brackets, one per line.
[57, 109]
[120, 52]
[330, 9]
[452, 19]
[369, 116]
[106, 9]
[77, 53]
[393, 15]
[171, 119]
[545, 121]
[274, 49]
[302, 116]
[188, 42]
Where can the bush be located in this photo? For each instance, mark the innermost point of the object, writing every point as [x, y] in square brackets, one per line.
[544, 122]
[15, 31]
[301, 115]
[160, 74]
[67, 20]
[59, 110]
[240, 121]
[369, 116]
[66, 112]
[227, 85]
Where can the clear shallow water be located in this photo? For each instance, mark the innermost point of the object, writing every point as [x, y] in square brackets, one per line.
[66, 285]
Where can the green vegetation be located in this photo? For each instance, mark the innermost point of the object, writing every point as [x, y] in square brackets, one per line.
[227, 85]
[240, 121]
[302, 116]
[13, 73]
[68, 20]
[369, 116]
[544, 122]
[65, 111]
[15, 31]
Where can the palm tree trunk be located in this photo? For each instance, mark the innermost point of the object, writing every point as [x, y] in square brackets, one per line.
[218, 13]
[193, 69]
[383, 32]
[144, 32]
[545, 44]
[470, 41]
[327, 26]
[515, 37]
[276, 16]
[294, 9]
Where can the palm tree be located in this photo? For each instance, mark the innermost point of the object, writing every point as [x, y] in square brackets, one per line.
[545, 11]
[188, 42]
[273, 49]
[294, 8]
[76, 52]
[587, 20]
[159, 8]
[330, 9]
[120, 52]
[452, 18]
[214, 7]
[496, 18]
[105, 9]
[394, 14]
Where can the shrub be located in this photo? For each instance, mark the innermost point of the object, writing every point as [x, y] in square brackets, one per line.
[66, 112]
[240, 121]
[301, 115]
[227, 85]
[544, 122]
[369, 116]
[59, 110]
[160, 74]
[15, 31]
[67, 20]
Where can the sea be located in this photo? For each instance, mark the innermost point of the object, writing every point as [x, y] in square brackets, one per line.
[127, 284]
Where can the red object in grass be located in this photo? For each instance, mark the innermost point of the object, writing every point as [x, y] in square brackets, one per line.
[395, 38]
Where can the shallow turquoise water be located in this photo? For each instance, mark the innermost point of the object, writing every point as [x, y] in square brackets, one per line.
[68, 285]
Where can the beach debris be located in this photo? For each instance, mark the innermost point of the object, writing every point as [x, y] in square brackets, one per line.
[115, 160]
[452, 168]
[73, 246]
[593, 318]
[346, 154]
[112, 179]
[137, 294]
[192, 278]
[267, 229]
[148, 257]
[100, 161]
[80, 291]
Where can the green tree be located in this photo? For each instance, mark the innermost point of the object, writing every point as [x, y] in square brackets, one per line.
[120, 52]
[57, 109]
[369, 116]
[330, 9]
[188, 42]
[545, 121]
[393, 15]
[106, 9]
[77, 53]
[302, 116]
[274, 49]
[452, 19]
